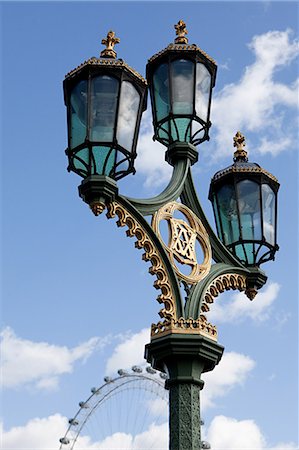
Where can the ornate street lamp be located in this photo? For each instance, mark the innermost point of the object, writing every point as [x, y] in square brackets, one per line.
[105, 99]
[244, 198]
[181, 78]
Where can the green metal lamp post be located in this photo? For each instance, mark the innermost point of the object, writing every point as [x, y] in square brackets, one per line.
[105, 99]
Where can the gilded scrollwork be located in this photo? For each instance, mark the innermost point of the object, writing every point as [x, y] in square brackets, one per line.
[220, 284]
[151, 254]
[181, 244]
[182, 325]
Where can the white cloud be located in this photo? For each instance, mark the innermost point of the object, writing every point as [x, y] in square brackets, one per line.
[37, 434]
[232, 371]
[151, 156]
[240, 308]
[40, 363]
[44, 434]
[129, 353]
[228, 433]
[251, 104]
[223, 433]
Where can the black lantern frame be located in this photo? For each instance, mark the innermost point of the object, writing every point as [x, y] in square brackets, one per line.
[261, 246]
[102, 156]
[166, 129]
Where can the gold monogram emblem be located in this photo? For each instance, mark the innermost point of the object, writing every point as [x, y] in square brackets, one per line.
[183, 235]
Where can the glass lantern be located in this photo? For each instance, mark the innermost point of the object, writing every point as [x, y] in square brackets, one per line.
[244, 198]
[105, 99]
[181, 78]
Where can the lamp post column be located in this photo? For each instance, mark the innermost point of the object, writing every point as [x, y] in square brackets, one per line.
[184, 357]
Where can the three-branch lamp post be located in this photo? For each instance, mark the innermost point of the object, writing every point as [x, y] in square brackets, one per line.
[105, 99]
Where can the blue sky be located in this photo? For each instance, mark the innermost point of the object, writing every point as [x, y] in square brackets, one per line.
[75, 294]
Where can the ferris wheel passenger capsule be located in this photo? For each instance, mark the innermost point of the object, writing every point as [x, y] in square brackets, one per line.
[137, 369]
[205, 445]
[73, 422]
[83, 405]
[122, 372]
[108, 379]
[150, 370]
[163, 376]
[64, 440]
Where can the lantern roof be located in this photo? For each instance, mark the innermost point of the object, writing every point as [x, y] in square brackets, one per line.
[241, 164]
[108, 60]
[181, 44]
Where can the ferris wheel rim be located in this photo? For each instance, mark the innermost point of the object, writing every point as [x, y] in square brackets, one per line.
[123, 379]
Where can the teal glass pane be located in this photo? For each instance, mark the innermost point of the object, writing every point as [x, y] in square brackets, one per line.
[249, 208]
[202, 91]
[103, 160]
[179, 128]
[162, 133]
[127, 114]
[228, 214]
[216, 214]
[268, 201]
[161, 92]
[182, 84]
[81, 159]
[249, 249]
[239, 249]
[78, 103]
[104, 95]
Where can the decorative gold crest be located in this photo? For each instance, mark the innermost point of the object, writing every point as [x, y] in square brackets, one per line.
[181, 245]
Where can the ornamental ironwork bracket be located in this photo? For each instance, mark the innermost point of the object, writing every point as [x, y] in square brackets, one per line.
[207, 279]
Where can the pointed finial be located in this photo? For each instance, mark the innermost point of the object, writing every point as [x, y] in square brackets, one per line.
[181, 31]
[239, 142]
[110, 42]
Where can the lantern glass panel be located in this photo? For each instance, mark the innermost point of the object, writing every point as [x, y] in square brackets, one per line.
[268, 198]
[104, 95]
[102, 160]
[81, 159]
[202, 93]
[78, 102]
[249, 209]
[216, 213]
[127, 114]
[182, 76]
[228, 213]
[161, 92]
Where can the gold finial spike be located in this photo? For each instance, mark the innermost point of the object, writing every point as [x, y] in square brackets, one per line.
[110, 42]
[239, 142]
[181, 31]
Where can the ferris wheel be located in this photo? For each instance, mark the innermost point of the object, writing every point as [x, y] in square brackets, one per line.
[128, 412]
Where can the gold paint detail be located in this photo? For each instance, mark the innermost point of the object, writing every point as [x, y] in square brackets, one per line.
[251, 293]
[183, 235]
[239, 142]
[182, 47]
[220, 284]
[181, 31]
[151, 254]
[97, 208]
[198, 326]
[110, 42]
[106, 63]
[255, 169]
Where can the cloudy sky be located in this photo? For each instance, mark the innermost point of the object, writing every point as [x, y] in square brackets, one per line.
[77, 299]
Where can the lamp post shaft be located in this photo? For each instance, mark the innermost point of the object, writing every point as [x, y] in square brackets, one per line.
[184, 357]
[184, 416]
